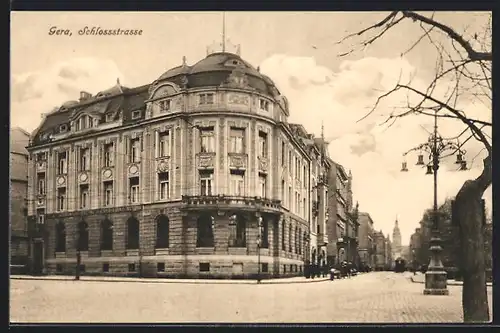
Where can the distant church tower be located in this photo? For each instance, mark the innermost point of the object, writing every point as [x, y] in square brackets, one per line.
[396, 241]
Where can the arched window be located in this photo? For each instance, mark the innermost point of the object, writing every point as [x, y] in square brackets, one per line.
[60, 237]
[304, 244]
[205, 233]
[265, 233]
[83, 236]
[107, 235]
[162, 232]
[283, 247]
[238, 232]
[296, 243]
[290, 237]
[300, 240]
[132, 234]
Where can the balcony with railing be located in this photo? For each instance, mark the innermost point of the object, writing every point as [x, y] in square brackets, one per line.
[233, 203]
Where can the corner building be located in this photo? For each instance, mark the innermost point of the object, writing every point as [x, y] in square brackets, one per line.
[197, 174]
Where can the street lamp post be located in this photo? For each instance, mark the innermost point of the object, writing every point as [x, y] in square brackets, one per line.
[436, 276]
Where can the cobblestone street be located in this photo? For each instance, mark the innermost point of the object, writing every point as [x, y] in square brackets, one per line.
[370, 298]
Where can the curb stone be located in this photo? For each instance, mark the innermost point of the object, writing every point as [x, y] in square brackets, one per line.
[179, 281]
[450, 282]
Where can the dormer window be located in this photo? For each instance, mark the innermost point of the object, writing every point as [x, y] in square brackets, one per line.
[206, 99]
[84, 122]
[165, 105]
[40, 157]
[63, 128]
[136, 114]
[109, 117]
[264, 105]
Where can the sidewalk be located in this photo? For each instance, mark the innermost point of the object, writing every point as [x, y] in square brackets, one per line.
[299, 279]
[420, 278]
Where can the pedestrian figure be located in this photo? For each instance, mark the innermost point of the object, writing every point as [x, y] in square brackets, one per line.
[332, 274]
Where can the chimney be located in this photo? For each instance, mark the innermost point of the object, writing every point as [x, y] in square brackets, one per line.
[84, 95]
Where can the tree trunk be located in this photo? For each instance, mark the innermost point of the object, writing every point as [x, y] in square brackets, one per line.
[469, 217]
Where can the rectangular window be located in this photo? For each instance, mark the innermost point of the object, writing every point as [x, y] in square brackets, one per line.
[84, 196]
[262, 144]
[290, 162]
[290, 198]
[264, 105]
[304, 205]
[84, 159]
[105, 268]
[109, 152]
[131, 267]
[136, 114]
[165, 105]
[262, 185]
[237, 182]
[160, 267]
[207, 141]
[283, 153]
[163, 186]
[299, 201]
[135, 150]
[265, 267]
[164, 144]
[62, 163]
[206, 98]
[204, 267]
[109, 117]
[61, 198]
[41, 184]
[206, 178]
[236, 140]
[134, 189]
[283, 192]
[108, 193]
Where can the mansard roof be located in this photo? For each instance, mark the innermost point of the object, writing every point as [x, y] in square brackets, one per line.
[124, 101]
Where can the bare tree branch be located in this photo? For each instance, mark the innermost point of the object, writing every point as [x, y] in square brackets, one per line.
[473, 54]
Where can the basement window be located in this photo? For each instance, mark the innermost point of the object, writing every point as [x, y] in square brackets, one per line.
[204, 267]
[160, 267]
[59, 268]
[105, 268]
[131, 267]
[265, 267]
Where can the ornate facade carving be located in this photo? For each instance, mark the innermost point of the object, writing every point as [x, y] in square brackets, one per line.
[107, 173]
[61, 181]
[83, 177]
[133, 169]
[235, 98]
[206, 160]
[163, 165]
[237, 79]
[263, 164]
[238, 161]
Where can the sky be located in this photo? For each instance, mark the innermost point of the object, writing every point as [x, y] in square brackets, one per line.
[299, 51]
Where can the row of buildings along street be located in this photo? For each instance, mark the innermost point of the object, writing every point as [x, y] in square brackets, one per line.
[197, 174]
